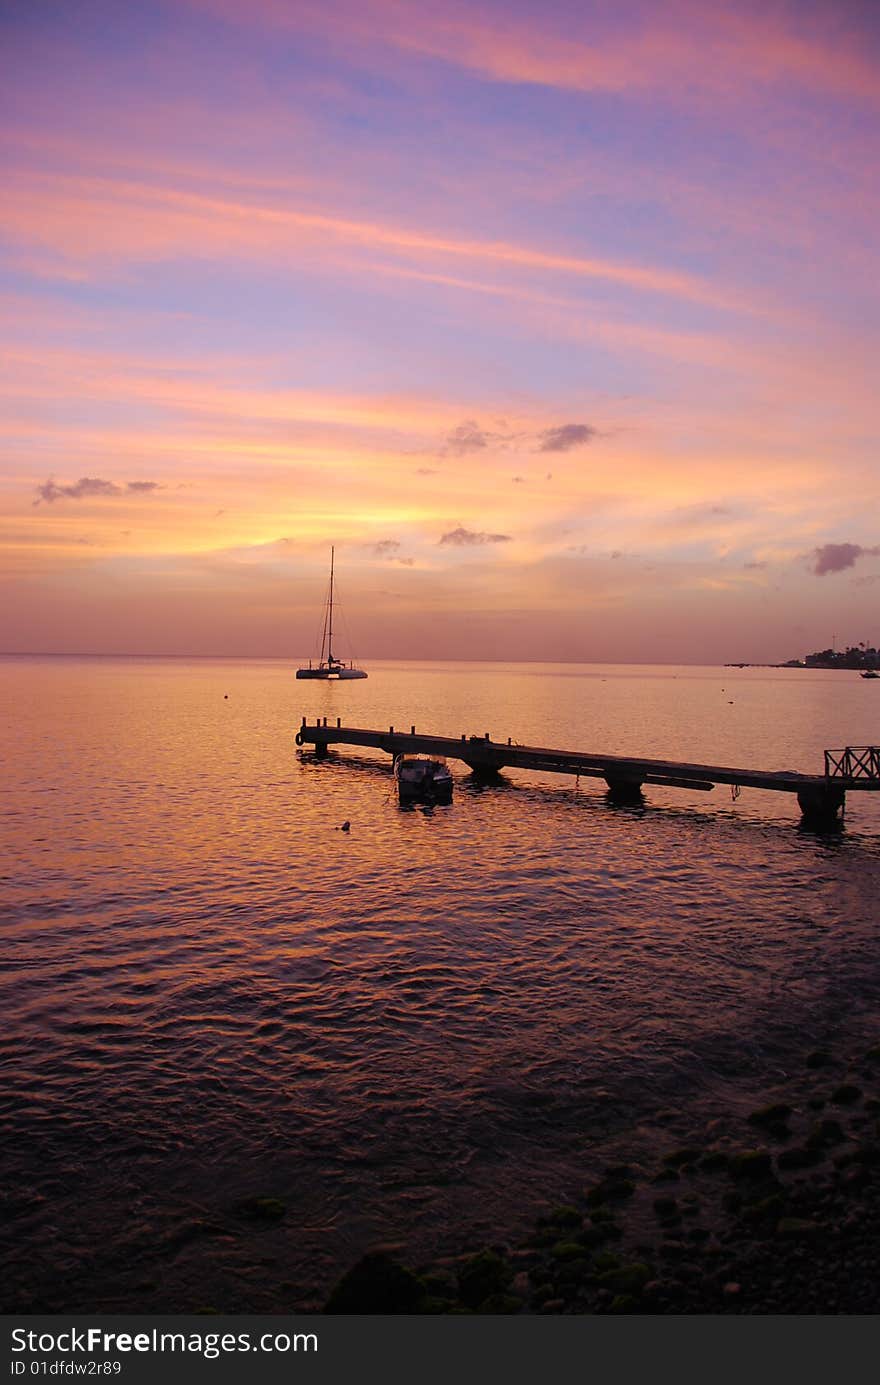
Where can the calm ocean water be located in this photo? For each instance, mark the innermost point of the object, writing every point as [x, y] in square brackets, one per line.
[420, 1031]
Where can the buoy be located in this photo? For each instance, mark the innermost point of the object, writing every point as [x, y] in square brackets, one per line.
[346, 825]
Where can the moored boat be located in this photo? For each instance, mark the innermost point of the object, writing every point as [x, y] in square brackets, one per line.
[423, 777]
[330, 666]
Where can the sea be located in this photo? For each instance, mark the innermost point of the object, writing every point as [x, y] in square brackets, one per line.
[240, 1046]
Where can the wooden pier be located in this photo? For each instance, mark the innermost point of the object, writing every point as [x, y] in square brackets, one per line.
[821, 797]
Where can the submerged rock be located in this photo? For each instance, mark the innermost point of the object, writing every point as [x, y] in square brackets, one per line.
[715, 1159]
[824, 1133]
[483, 1275]
[676, 1158]
[665, 1207]
[819, 1058]
[567, 1250]
[501, 1303]
[771, 1115]
[627, 1279]
[262, 1208]
[610, 1190]
[797, 1158]
[561, 1217]
[751, 1163]
[624, 1303]
[846, 1094]
[377, 1284]
[797, 1226]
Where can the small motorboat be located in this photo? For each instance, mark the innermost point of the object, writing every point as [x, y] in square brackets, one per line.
[869, 673]
[422, 777]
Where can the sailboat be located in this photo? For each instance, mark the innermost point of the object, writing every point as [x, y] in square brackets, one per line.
[330, 667]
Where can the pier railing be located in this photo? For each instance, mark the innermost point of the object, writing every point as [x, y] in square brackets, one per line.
[853, 762]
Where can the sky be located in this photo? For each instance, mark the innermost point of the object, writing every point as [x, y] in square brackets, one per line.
[559, 320]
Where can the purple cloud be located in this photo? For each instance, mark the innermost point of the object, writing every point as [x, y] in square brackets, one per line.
[837, 557]
[467, 437]
[50, 491]
[463, 538]
[566, 436]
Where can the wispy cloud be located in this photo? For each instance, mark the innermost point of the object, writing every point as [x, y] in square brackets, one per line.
[464, 538]
[467, 437]
[87, 486]
[661, 48]
[470, 436]
[91, 219]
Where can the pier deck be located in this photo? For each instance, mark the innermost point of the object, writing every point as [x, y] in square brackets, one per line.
[819, 795]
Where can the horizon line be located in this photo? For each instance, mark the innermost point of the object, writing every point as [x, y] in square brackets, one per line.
[464, 659]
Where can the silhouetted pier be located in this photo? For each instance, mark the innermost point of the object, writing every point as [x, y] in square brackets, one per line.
[820, 796]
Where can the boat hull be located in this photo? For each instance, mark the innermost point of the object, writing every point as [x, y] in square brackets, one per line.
[336, 675]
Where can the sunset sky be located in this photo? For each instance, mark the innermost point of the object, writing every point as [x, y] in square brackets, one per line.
[559, 319]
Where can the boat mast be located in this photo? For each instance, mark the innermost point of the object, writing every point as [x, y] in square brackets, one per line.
[330, 659]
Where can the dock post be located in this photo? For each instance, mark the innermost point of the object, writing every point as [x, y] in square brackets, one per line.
[822, 806]
[338, 721]
[624, 790]
[412, 730]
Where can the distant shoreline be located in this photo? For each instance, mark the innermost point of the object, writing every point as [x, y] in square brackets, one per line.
[809, 668]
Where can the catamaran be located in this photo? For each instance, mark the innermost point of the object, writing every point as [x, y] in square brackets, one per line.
[330, 667]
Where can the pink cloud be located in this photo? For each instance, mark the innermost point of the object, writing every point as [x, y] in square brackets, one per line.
[682, 47]
[92, 218]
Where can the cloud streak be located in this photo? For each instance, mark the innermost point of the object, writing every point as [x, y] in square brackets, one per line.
[468, 538]
[470, 437]
[87, 218]
[49, 491]
[660, 49]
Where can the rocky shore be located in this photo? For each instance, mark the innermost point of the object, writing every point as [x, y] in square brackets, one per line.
[778, 1213]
